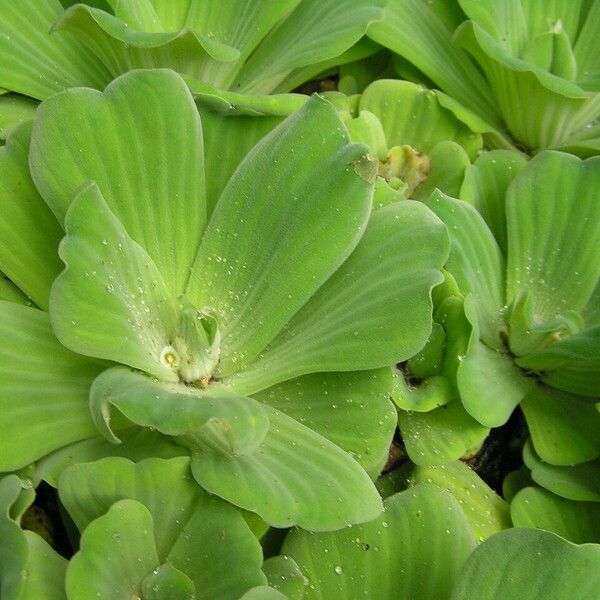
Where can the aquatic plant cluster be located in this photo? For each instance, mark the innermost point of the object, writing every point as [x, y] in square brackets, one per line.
[299, 299]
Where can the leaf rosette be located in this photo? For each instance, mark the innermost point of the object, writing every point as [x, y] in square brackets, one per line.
[530, 278]
[521, 71]
[147, 531]
[258, 340]
[419, 143]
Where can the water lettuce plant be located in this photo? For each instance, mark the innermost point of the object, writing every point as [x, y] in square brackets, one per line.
[518, 71]
[148, 531]
[235, 336]
[420, 144]
[533, 307]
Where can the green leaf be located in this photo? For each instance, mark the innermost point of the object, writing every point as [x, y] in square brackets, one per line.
[119, 549]
[168, 583]
[288, 195]
[285, 576]
[412, 29]
[14, 110]
[565, 429]
[148, 164]
[415, 549]
[441, 435]
[263, 592]
[578, 482]
[373, 312]
[111, 301]
[294, 477]
[315, 31]
[44, 388]
[29, 568]
[475, 262]
[579, 522]
[529, 564]
[178, 410]
[228, 138]
[37, 64]
[552, 245]
[352, 410]
[491, 385]
[485, 185]
[136, 444]
[194, 532]
[9, 292]
[571, 363]
[586, 48]
[448, 164]
[411, 114]
[515, 481]
[29, 230]
[430, 393]
[486, 511]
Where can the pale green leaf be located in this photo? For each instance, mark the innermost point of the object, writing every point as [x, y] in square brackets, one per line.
[529, 565]
[486, 511]
[505, 20]
[9, 292]
[14, 110]
[285, 576]
[37, 64]
[485, 184]
[44, 388]
[491, 385]
[441, 435]
[571, 363]
[227, 140]
[290, 194]
[578, 482]
[374, 311]
[128, 41]
[415, 549]
[553, 220]
[178, 410]
[167, 583]
[29, 231]
[148, 163]
[449, 162]
[118, 548]
[352, 410]
[263, 592]
[516, 481]
[578, 522]
[361, 52]
[111, 301]
[565, 429]
[294, 477]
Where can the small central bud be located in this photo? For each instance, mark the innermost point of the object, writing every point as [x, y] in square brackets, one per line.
[404, 165]
[196, 345]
